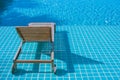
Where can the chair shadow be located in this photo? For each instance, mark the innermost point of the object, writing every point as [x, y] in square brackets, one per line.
[63, 53]
[37, 56]
[62, 43]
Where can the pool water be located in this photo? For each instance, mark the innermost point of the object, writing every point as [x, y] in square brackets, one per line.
[67, 12]
[87, 39]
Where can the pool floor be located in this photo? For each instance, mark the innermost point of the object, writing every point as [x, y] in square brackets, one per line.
[81, 52]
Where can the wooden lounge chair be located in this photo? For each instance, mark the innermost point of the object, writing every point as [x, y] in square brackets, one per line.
[35, 33]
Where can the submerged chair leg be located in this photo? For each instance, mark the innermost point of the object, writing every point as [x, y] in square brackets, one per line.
[53, 66]
[14, 66]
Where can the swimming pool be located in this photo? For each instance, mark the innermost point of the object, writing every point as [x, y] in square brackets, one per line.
[87, 39]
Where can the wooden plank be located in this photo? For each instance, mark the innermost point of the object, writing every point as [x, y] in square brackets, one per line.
[34, 29]
[41, 38]
[36, 34]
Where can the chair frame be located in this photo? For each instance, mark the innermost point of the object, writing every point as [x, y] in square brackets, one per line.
[51, 61]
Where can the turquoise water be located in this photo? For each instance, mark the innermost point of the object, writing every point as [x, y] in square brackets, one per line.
[67, 12]
[87, 39]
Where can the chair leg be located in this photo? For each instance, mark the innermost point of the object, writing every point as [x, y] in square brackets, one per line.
[14, 67]
[53, 66]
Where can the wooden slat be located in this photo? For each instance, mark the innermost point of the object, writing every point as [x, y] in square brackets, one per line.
[31, 38]
[36, 34]
[34, 29]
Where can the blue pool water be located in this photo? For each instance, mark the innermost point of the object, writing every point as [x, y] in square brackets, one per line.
[67, 12]
[87, 39]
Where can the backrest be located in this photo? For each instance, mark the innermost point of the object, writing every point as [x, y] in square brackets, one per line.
[35, 33]
[43, 24]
